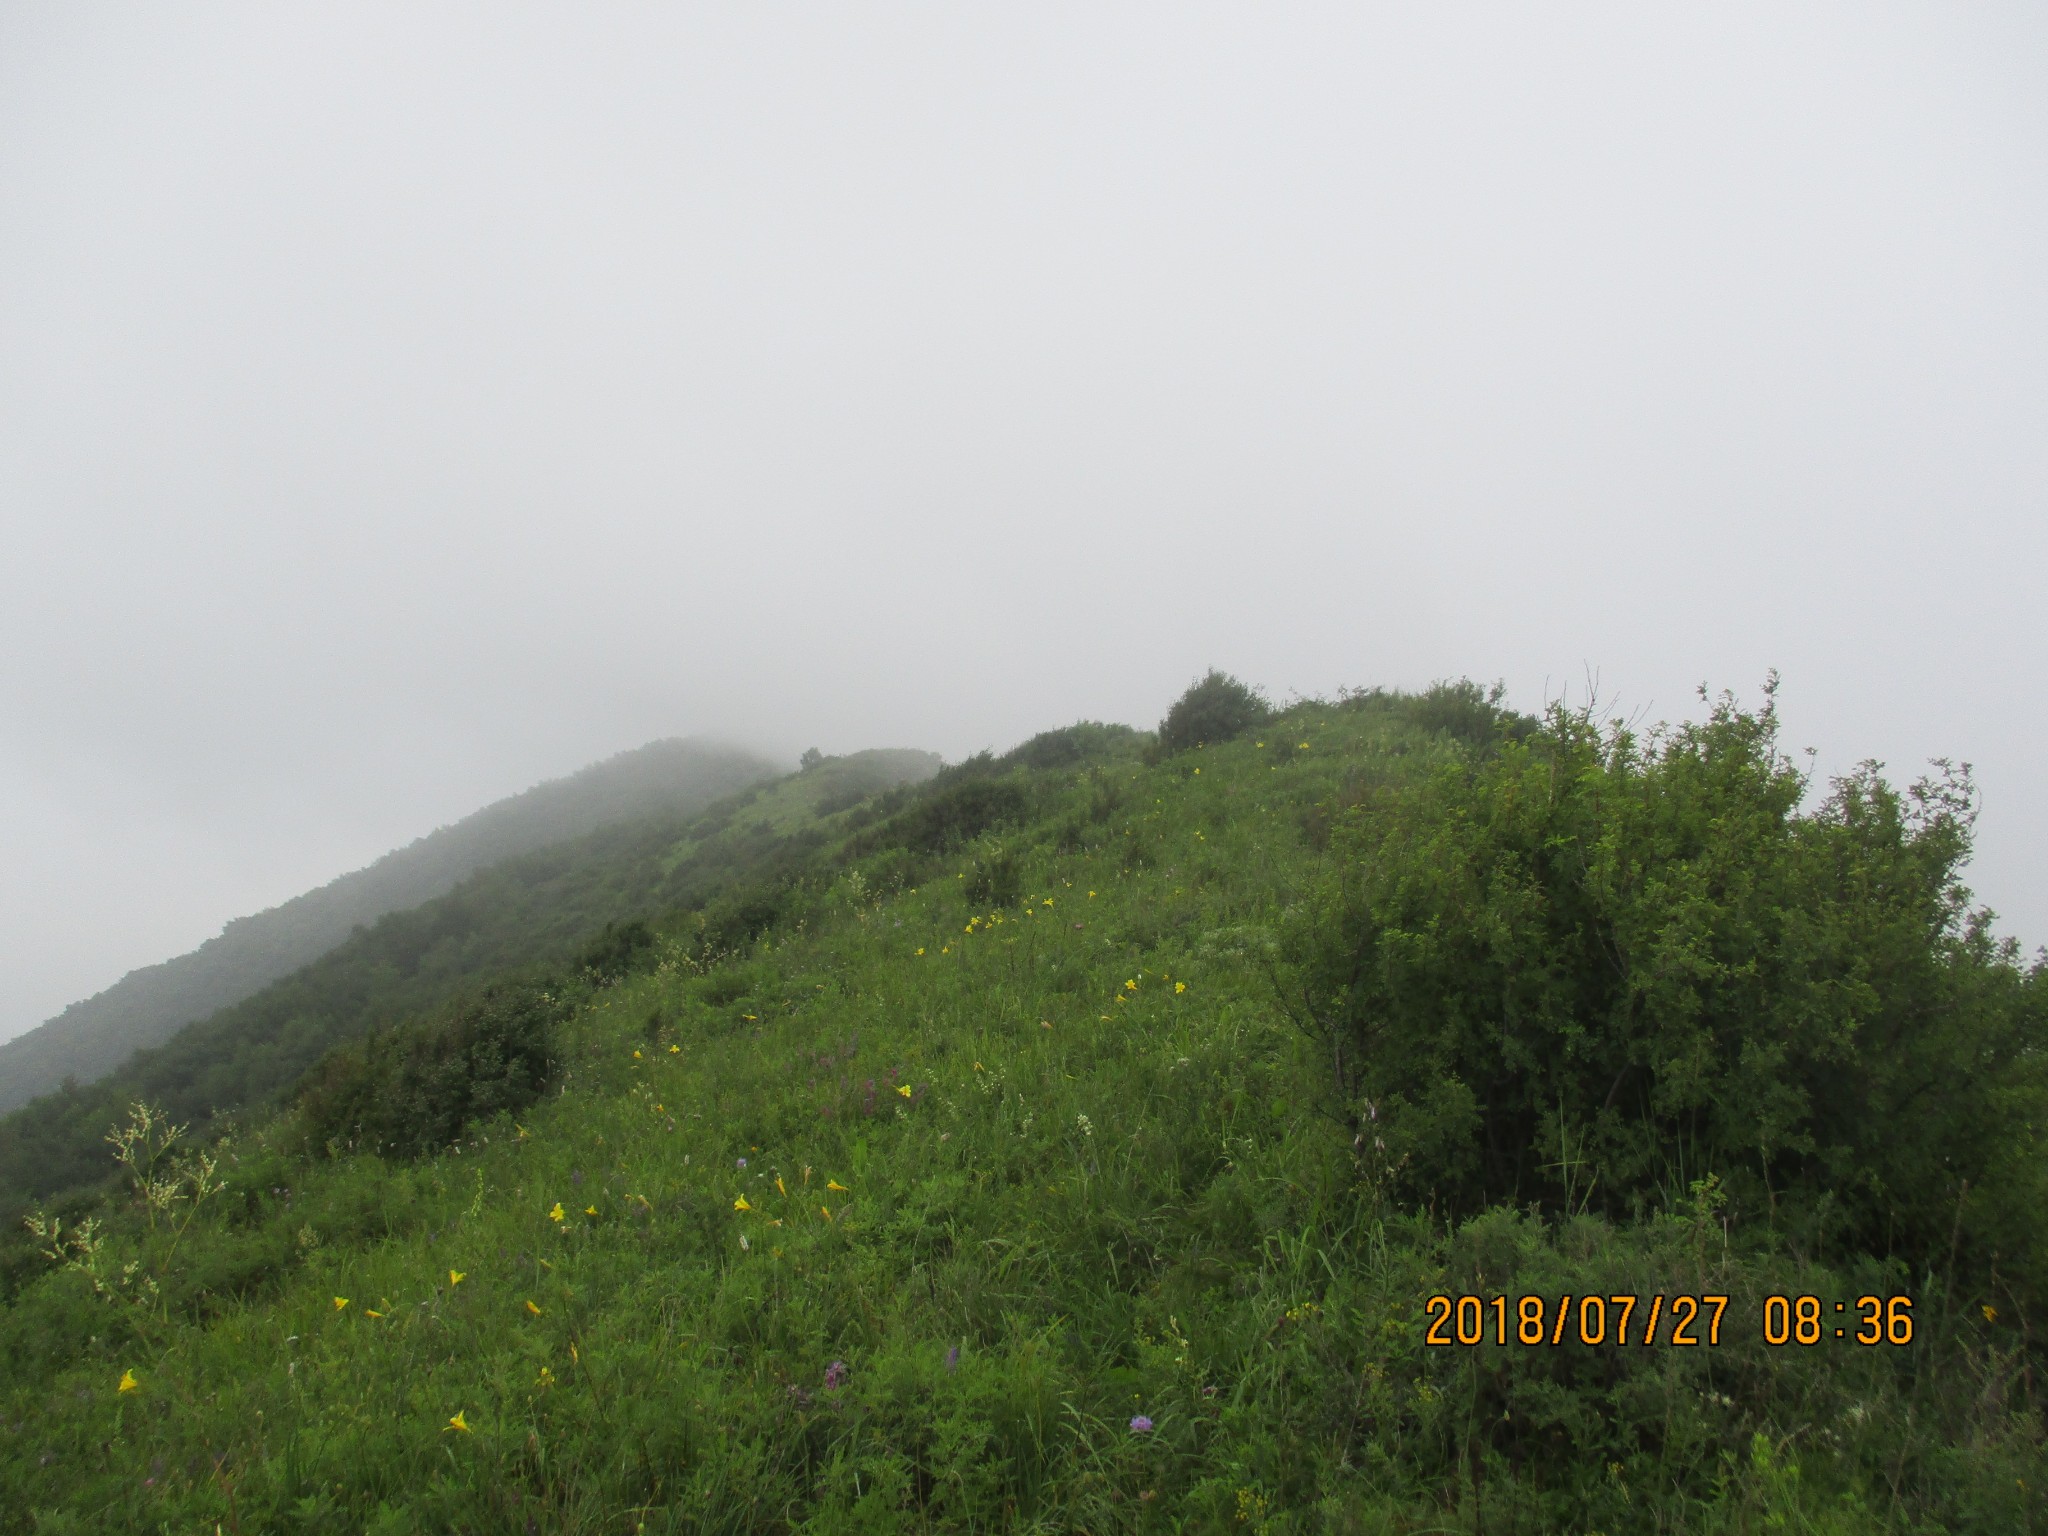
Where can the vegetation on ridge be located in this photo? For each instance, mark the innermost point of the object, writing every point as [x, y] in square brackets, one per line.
[999, 1168]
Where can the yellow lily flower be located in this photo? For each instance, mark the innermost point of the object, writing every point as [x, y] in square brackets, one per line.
[457, 1276]
[340, 1303]
[129, 1383]
[836, 1187]
[556, 1213]
[741, 1204]
[459, 1422]
[533, 1309]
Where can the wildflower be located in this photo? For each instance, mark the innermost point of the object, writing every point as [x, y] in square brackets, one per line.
[836, 1187]
[520, 1129]
[340, 1303]
[1304, 746]
[946, 950]
[129, 1383]
[675, 1050]
[1990, 1313]
[590, 1210]
[740, 1204]
[1045, 1023]
[824, 1213]
[953, 1358]
[371, 1312]
[636, 1055]
[979, 1067]
[533, 1309]
[920, 949]
[1179, 987]
[556, 1213]
[1047, 902]
[778, 1187]
[1131, 986]
[457, 1276]
[545, 1379]
[1141, 1425]
[835, 1375]
[743, 1162]
[458, 1423]
[1091, 895]
[904, 1089]
[744, 1244]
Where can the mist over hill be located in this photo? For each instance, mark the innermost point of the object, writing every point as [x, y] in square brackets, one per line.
[147, 1006]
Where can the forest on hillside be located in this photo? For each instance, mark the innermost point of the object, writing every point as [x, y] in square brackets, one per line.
[1390, 1113]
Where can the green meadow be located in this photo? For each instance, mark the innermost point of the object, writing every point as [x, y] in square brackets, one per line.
[1076, 1142]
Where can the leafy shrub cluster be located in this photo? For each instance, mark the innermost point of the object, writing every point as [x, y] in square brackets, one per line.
[414, 1090]
[1595, 970]
[1215, 709]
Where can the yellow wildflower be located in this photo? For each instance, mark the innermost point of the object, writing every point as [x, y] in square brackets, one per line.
[458, 1422]
[520, 1129]
[1179, 987]
[778, 1186]
[1091, 895]
[590, 1210]
[556, 1213]
[457, 1276]
[946, 950]
[371, 1312]
[920, 949]
[741, 1204]
[636, 1055]
[533, 1309]
[1131, 986]
[1990, 1313]
[836, 1187]
[546, 1378]
[824, 1213]
[675, 1050]
[904, 1089]
[340, 1303]
[129, 1383]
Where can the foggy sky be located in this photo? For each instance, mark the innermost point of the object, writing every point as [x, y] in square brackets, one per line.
[402, 404]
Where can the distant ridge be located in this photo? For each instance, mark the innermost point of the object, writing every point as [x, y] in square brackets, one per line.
[90, 1039]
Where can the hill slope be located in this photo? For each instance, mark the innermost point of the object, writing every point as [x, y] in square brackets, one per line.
[991, 1168]
[538, 908]
[144, 1008]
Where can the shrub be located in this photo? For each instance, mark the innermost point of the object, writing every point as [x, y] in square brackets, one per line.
[415, 1089]
[1215, 708]
[1593, 970]
[616, 952]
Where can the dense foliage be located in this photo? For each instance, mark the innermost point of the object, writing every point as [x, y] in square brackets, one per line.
[1587, 970]
[858, 1202]
[1216, 708]
[417, 1089]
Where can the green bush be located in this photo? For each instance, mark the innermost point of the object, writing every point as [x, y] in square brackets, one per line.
[1216, 708]
[416, 1089]
[1596, 970]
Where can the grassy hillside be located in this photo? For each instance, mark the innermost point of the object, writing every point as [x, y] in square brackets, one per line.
[1078, 1144]
[92, 1038]
[533, 910]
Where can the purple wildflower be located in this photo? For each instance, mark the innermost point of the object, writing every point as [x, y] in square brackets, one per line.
[743, 1162]
[835, 1375]
[953, 1358]
[1141, 1425]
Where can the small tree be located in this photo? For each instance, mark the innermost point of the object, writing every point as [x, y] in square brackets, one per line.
[1215, 708]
